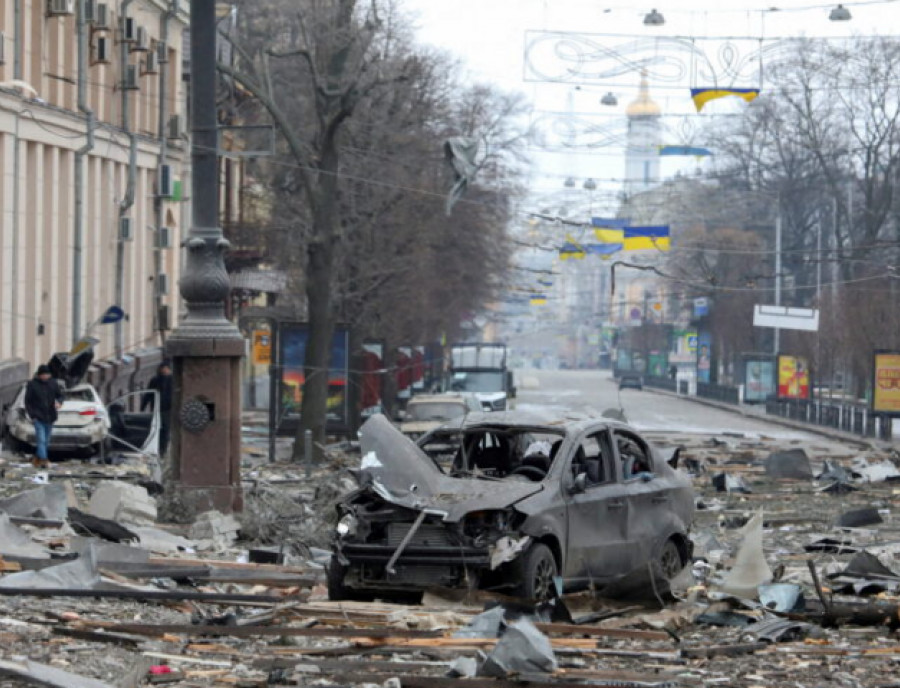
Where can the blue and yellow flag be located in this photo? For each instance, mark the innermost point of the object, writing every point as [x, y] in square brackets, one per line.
[701, 96]
[642, 238]
[609, 230]
[571, 249]
[538, 301]
[603, 250]
[545, 282]
[684, 150]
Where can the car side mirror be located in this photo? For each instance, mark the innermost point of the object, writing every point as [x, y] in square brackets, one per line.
[579, 485]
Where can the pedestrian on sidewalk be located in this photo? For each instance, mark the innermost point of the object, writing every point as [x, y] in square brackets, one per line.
[162, 384]
[43, 399]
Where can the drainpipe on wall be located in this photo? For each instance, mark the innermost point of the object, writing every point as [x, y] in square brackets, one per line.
[128, 201]
[158, 201]
[17, 38]
[80, 154]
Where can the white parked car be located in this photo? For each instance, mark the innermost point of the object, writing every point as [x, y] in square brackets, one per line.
[427, 412]
[82, 426]
[85, 425]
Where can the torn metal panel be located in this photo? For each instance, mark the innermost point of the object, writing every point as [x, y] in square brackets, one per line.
[750, 568]
[790, 464]
[401, 473]
[36, 674]
[506, 549]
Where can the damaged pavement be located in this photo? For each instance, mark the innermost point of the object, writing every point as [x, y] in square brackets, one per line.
[794, 581]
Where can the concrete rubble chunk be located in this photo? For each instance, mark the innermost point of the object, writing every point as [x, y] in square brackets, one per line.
[163, 542]
[124, 503]
[49, 502]
[791, 464]
[522, 649]
[215, 527]
[15, 542]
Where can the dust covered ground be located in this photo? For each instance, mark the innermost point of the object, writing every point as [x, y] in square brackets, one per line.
[209, 616]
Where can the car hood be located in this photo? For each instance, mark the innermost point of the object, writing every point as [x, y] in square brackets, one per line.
[401, 473]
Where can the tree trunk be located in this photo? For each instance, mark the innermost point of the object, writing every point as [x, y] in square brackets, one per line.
[314, 407]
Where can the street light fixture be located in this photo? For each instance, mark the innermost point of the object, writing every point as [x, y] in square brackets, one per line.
[840, 13]
[590, 185]
[570, 182]
[609, 99]
[654, 18]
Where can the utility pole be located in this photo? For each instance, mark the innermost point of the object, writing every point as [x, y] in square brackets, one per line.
[205, 347]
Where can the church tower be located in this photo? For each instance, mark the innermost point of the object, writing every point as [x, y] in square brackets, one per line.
[642, 152]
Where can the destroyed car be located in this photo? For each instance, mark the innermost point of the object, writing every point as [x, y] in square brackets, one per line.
[426, 412]
[511, 503]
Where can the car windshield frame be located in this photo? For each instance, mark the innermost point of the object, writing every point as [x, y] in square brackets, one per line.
[451, 437]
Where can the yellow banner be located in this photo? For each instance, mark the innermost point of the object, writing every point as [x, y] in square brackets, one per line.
[886, 394]
[644, 243]
[610, 236]
[262, 347]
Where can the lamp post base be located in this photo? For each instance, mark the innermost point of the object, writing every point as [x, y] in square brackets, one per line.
[206, 422]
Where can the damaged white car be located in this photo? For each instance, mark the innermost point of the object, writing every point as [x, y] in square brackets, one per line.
[512, 503]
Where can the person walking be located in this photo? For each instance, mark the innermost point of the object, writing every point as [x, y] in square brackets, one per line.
[162, 384]
[43, 399]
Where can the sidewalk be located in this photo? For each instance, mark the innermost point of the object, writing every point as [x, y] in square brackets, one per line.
[759, 411]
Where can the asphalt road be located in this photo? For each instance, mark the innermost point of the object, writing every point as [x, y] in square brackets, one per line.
[593, 391]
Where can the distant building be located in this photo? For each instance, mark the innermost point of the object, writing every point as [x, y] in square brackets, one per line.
[644, 140]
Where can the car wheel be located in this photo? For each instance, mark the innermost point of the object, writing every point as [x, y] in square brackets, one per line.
[535, 573]
[669, 562]
[337, 591]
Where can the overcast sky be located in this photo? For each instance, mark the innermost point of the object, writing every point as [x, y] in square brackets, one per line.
[490, 36]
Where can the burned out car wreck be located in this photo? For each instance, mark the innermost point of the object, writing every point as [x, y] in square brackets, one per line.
[511, 503]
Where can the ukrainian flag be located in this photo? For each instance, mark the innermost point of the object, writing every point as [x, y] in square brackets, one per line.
[603, 250]
[538, 301]
[641, 238]
[701, 96]
[609, 230]
[684, 150]
[571, 249]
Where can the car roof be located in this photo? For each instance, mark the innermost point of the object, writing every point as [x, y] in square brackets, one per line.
[571, 423]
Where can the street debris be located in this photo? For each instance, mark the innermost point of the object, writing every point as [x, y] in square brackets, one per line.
[789, 586]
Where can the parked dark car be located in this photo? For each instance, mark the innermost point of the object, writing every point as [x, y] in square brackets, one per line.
[509, 502]
[631, 381]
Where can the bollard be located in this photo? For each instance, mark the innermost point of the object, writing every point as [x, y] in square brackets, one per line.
[308, 451]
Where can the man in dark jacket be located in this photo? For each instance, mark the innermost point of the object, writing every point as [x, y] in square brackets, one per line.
[162, 384]
[43, 398]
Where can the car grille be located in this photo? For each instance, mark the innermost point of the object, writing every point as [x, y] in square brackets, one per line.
[428, 534]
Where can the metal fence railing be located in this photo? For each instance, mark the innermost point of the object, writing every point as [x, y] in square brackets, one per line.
[665, 383]
[723, 393]
[856, 419]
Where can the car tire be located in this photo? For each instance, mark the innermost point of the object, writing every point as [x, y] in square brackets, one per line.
[534, 573]
[337, 591]
[669, 562]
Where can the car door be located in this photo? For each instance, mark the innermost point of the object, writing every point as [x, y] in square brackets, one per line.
[131, 429]
[596, 526]
[644, 498]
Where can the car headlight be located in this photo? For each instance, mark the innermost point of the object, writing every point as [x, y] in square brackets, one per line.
[347, 525]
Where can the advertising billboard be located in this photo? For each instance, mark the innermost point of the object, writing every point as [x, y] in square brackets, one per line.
[886, 383]
[759, 379]
[370, 401]
[704, 357]
[793, 377]
[292, 344]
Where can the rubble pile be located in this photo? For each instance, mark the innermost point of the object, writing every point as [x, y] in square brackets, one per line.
[795, 582]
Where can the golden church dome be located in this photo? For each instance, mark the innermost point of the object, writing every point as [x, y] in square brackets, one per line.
[643, 105]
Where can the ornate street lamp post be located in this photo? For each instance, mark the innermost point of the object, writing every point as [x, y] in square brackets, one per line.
[205, 348]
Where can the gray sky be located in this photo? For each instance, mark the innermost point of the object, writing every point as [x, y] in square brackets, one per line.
[490, 36]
